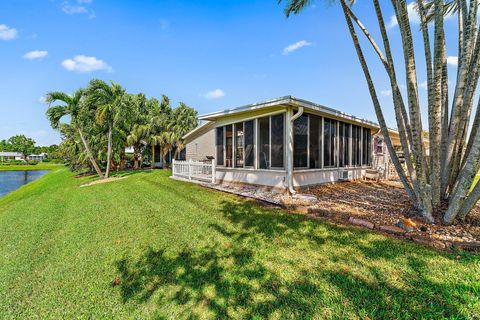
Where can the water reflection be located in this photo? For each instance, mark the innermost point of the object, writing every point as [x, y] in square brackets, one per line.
[11, 180]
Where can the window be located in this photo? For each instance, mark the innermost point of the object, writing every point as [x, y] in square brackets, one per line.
[367, 146]
[300, 142]
[249, 143]
[239, 145]
[344, 144]
[378, 145]
[277, 140]
[219, 146]
[314, 134]
[356, 145]
[264, 142]
[329, 135]
[229, 145]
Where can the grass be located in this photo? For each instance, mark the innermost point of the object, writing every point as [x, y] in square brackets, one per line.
[39, 166]
[183, 251]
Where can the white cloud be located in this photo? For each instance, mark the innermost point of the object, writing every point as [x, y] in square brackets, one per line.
[36, 54]
[452, 60]
[69, 9]
[215, 94]
[7, 33]
[413, 17]
[386, 93]
[85, 64]
[80, 7]
[295, 46]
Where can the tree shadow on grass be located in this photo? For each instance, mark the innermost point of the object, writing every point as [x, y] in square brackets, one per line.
[229, 278]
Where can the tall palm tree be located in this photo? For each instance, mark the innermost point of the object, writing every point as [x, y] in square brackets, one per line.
[183, 120]
[71, 107]
[108, 100]
[454, 155]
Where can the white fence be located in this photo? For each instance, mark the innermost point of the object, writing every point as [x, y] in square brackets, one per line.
[194, 170]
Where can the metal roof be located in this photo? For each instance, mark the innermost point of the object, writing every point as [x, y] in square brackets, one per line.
[10, 154]
[287, 100]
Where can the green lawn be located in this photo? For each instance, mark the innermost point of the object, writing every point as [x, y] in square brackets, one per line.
[182, 251]
[40, 166]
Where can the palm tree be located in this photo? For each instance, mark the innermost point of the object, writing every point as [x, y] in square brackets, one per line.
[454, 156]
[71, 107]
[108, 100]
[183, 120]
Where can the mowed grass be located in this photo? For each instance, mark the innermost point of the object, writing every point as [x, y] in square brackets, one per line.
[182, 251]
[39, 166]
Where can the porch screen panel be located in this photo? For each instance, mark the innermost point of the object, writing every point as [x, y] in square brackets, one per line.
[264, 142]
[300, 142]
[239, 135]
[229, 145]
[277, 140]
[314, 137]
[367, 146]
[341, 144]
[329, 135]
[356, 143]
[219, 145]
[249, 143]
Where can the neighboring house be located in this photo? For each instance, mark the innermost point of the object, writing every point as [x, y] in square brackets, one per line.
[37, 157]
[10, 156]
[288, 143]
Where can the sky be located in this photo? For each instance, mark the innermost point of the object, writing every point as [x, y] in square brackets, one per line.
[211, 55]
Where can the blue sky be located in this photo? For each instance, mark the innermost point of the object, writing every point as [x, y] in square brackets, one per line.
[209, 54]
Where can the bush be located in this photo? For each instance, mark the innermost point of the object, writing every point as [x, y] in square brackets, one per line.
[32, 162]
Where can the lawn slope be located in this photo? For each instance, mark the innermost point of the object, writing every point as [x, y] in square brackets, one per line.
[183, 251]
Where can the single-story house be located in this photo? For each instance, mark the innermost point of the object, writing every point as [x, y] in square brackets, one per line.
[37, 157]
[288, 143]
[10, 156]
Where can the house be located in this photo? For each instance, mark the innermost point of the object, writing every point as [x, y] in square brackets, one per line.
[37, 157]
[10, 156]
[288, 143]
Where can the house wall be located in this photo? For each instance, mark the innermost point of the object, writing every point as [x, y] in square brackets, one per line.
[201, 147]
[270, 178]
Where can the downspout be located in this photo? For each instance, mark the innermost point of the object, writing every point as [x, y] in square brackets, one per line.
[290, 119]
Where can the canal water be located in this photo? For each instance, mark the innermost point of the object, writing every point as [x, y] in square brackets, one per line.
[12, 180]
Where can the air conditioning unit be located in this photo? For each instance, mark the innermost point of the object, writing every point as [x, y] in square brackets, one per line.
[346, 175]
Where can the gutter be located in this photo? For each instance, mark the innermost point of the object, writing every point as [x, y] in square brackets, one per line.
[297, 115]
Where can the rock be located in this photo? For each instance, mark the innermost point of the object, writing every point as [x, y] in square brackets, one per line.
[361, 222]
[391, 229]
[405, 225]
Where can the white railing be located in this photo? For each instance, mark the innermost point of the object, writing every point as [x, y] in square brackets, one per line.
[194, 170]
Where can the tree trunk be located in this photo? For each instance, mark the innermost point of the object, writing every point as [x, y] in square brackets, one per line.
[123, 159]
[136, 152]
[401, 12]
[377, 107]
[89, 154]
[109, 150]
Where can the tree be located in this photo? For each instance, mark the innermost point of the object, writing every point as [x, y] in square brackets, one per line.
[21, 144]
[71, 107]
[183, 120]
[108, 102]
[454, 160]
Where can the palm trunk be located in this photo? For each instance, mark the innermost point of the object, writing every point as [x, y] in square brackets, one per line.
[123, 159]
[455, 130]
[109, 151]
[399, 106]
[136, 152]
[89, 154]
[401, 12]
[377, 106]
[435, 106]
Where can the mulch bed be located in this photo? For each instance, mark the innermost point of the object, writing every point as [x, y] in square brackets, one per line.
[381, 205]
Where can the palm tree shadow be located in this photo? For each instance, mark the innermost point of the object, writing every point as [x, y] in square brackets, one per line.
[228, 278]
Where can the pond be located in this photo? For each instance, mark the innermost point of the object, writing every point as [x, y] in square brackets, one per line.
[11, 180]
